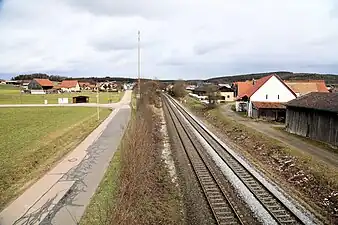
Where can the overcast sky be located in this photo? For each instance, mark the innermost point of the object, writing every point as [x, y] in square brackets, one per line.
[179, 38]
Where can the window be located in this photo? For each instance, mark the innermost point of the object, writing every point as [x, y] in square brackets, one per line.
[277, 96]
[266, 96]
[228, 96]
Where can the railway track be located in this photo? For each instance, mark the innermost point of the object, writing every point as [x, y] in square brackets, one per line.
[222, 209]
[278, 211]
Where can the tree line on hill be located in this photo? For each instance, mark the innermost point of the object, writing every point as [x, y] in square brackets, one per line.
[39, 76]
[285, 75]
[83, 79]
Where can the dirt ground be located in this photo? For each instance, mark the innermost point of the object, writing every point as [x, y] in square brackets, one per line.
[293, 142]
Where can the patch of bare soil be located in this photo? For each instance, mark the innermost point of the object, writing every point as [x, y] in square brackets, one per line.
[316, 186]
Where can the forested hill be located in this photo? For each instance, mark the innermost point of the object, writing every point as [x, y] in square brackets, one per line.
[329, 78]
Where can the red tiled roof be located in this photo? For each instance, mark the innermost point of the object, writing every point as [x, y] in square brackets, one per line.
[306, 86]
[259, 83]
[243, 87]
[68, 84]
[268, 105]
[84, 84]
[44, 82]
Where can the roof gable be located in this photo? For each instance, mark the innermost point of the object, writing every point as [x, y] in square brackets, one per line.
[260, 82]
[44, 82]
[68, 83]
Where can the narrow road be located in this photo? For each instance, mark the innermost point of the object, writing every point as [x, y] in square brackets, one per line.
[61, 196]
[322, 154]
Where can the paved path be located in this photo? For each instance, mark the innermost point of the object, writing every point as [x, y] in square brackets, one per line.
[322, 154]
[61, 196]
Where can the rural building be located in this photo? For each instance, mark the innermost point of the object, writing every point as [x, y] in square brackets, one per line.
[265, 98]
[303, 87]
[81, 99]
[40, 86]
[109, 86]
[241, 87]
[69, 86]
[226, 93]
[315, 116]
[85, 86]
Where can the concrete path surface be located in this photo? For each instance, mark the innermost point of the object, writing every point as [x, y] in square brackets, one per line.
[324, 155]
[61, 195]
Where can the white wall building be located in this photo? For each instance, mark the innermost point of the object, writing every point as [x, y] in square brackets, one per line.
[265, 97]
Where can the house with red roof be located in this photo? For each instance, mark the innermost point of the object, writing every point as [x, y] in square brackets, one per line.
[303, 87]
[266, 97]
[40, 86]
[70, 86]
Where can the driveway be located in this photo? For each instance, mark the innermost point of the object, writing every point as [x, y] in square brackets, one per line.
[268, 129]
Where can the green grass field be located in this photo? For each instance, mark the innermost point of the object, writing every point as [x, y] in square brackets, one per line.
[32, 140]
[10, 94]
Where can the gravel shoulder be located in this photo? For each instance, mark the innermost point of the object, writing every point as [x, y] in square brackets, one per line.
[195, 205]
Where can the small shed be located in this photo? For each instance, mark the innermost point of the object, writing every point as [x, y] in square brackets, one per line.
[269, 110]
[81, 99]
[315, 116]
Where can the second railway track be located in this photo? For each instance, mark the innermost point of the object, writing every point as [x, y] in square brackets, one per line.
[222, 209]
[278, 211]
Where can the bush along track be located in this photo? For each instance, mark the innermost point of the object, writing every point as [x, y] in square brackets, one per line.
[314, 184]
[146, 192]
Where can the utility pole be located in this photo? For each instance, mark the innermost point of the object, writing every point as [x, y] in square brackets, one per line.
[97, 101]
[139, 64]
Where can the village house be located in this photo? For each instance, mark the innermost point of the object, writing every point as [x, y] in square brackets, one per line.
[86, 86]
[69, 86]
[315, 116]
[225, 93]
[240, 88]
[265, 98]
[40, 86]
[303, 87]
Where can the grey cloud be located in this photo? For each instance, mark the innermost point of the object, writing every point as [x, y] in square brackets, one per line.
[210, 46]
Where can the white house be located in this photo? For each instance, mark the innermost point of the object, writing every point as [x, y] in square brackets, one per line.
[70, 86]
[266, 96]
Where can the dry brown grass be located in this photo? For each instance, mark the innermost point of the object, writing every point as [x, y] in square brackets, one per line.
[146, 194]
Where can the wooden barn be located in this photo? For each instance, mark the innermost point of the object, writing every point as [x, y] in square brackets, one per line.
[315, 116]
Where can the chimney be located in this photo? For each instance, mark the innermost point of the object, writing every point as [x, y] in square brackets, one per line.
[253, 81]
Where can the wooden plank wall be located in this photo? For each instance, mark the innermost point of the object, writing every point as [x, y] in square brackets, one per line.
[318, 125]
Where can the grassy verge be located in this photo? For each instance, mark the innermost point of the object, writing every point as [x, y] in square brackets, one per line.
[311, 141]
[312, 181]
[140, 189]
[11, 95]
[33, 139]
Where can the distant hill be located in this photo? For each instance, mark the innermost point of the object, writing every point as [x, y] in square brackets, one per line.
[329, 78]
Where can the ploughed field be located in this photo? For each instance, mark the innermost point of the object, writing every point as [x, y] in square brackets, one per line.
[33, 139]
